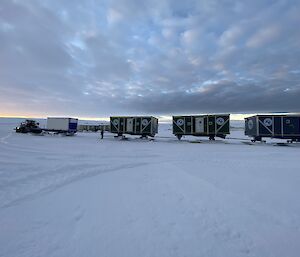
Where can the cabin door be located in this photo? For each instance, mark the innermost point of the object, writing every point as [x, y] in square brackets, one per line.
[199, 125]
[129, 127]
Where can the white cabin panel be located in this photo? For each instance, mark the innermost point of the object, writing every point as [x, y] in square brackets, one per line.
[129, 127]
[199, 125]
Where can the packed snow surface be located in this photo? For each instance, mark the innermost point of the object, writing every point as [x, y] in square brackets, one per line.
[82, 196]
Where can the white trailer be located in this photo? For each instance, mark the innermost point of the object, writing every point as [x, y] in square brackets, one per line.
[62, 125]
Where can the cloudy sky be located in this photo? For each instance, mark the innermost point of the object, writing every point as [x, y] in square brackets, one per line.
[98, 58]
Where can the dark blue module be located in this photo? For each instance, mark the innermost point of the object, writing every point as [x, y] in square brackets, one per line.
[73, 125]
[274, 126]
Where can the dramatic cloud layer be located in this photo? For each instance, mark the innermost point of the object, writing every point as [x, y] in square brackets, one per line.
[97, 58]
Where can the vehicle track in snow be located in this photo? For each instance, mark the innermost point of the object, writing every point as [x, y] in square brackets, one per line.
[3, 140]
[29, 186]
[33, 185]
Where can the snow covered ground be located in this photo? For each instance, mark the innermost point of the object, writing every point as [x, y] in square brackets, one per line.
[82, 196]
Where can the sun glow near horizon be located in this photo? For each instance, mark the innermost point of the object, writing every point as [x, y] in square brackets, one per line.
[162, 118]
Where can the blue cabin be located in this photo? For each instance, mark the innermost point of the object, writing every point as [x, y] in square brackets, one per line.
[273, 126]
